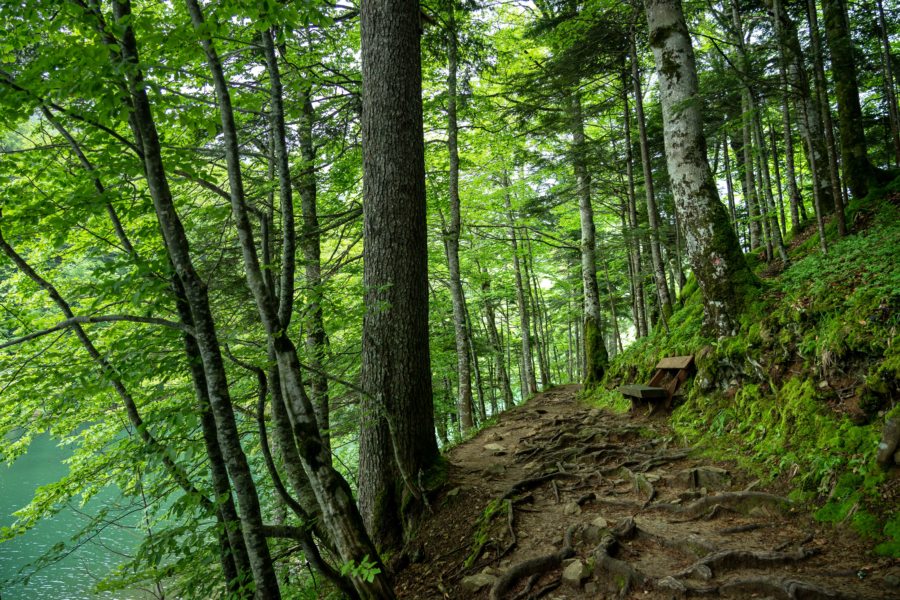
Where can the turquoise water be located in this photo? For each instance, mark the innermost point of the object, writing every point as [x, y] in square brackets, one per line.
[73, 577]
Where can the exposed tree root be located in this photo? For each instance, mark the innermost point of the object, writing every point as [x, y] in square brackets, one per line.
[618, 573]
[533, 482]
[528, 587]
[774, 587]
[742, 502]
[742, 559]
[534, 566]
[744, 587]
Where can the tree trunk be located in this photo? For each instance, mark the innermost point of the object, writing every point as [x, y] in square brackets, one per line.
[396, 369]
[773, 139]
[617, 336]
[751, 200]
[811, 110]
[666, 297]
[339, 512]
[529, 383]
[596, 358]
[890, 94]
[857, 170]
[476, 369]
[722, 274]
[633, 233]
[789, 168]
[773, 229]
[451, 238]
[205, 333]
[497, 345]
[538, 321]
[316, 338]
[729, 183]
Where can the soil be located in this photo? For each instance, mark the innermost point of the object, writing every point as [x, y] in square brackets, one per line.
[645, 516]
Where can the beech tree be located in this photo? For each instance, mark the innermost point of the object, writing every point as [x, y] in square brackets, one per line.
[712, 247]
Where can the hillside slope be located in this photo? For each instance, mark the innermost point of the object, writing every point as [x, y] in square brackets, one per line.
[801, 396]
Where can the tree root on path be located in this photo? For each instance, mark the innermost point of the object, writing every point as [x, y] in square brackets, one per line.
[742, 559]
[742, 502]
[534, 566]
[533, 482]
[618, 572]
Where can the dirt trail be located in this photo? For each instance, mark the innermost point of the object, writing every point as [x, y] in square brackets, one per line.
[590, 504]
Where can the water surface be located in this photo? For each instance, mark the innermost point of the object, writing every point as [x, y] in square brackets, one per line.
[73, 577]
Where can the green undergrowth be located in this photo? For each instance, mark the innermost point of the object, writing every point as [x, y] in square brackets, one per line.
[800, 395]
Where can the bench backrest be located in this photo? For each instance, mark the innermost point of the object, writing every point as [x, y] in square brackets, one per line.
[676, 362]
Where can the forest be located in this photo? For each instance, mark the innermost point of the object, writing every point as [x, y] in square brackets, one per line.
[335, 299]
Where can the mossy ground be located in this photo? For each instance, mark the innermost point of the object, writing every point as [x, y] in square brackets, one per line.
[801, 393]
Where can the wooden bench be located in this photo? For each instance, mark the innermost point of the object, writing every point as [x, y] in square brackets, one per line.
[670, 373]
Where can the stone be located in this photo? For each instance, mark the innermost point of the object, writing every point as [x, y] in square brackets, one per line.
[600, 522]
[454, 492]
[712, 478]
[473, 583]
[890, 440]
[493, 572]
[572, 508]
[575, 574]
[591, 588]
[495, 448]
[495, 470]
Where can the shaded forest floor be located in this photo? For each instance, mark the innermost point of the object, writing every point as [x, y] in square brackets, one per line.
[562, 500]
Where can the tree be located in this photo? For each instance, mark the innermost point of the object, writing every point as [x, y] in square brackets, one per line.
[713, 251]
[397, 440]
[859, 173]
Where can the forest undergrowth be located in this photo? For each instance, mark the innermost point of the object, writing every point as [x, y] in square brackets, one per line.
[800, 395]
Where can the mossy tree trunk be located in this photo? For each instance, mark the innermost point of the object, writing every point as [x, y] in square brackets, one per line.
[718, 264]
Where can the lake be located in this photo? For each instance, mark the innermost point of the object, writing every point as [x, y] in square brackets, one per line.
[73, 577]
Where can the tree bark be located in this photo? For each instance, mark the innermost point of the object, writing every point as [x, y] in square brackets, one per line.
[810, 109]
[773, 229]
[396, 369]
[451, 237]
[333, 494]
[667, 298]
[729, 183]
[496, 344]
[751, 199]
[596, 358]
[719, 266]
[858, 171]
[310, 243]
[890, 94]
[529, 382]
[634, 234]
[195, 290]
